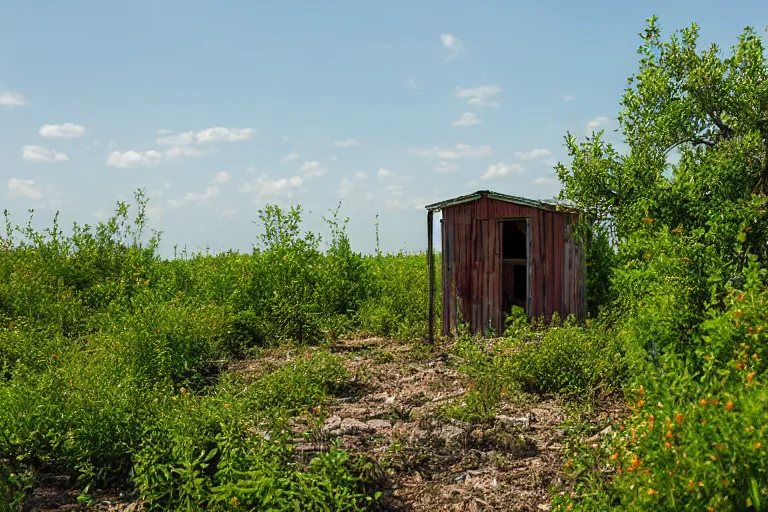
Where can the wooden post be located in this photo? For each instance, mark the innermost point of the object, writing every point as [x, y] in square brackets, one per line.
[431, 270]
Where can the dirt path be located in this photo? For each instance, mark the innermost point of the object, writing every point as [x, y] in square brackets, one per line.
[441, 463]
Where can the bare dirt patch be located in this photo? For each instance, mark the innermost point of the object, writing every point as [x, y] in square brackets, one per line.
[439, 463]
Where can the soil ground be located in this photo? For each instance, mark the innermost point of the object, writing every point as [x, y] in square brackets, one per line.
[395, 414]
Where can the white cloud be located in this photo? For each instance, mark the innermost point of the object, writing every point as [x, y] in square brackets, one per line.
[226, 211]
[41, 154]
[385, 173]
[499, 170]
[222, 177]
[219, 134]
[182, 151]
[200, 198]
[480, 96]
[313, 168]
[62, 131]
[445, 167]
[163, 131]
[265, 188]
[543, 181]
[534, 153]
[155, 212]
[597, 122]
[290, 157]
[151, 158]
[457, 152]
[12, 99]
[24, 188]
[128, 159]
[395, 189]
[194, 197]
[180, 139]
[346, 187]
[467, 119]
[160, 191]
[453, 44]
[569, 98]
[360, 175]
[215, 134]
[348, 143]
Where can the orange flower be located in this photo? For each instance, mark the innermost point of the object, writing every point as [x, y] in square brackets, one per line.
[227, 406]
[750, 377]
[729, 406]
[679, 418]
[758, 445]
[640, 403]
[703, 402]
[54, 356]
[615, 456]
[667, 445]
[647, 220]
[636, 462]
[669, 434]
[652, 492]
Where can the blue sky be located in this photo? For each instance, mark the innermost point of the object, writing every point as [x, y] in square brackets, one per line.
[218, 108]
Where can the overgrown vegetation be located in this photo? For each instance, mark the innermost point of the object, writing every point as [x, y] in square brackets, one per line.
[686, 290]
[110, 360]
[110, 357]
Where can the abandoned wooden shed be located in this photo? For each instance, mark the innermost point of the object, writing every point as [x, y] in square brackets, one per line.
[499, 251]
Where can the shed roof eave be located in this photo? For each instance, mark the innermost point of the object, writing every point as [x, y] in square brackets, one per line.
[500, 197]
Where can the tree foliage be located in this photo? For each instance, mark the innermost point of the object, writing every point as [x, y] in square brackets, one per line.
[708, 110]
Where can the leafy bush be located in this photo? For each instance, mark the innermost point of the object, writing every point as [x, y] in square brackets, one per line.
[304, 382]
[572, 359]
[697, 437]
[688, 290]
[201, 456]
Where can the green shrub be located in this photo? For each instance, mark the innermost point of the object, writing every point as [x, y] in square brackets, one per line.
[572, 359]
[203, 456]
[303, 382]
[696, 439]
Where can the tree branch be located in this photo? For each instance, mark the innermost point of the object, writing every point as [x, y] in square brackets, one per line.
[726, 132]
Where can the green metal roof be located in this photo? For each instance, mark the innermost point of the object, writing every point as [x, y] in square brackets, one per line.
[475, 196]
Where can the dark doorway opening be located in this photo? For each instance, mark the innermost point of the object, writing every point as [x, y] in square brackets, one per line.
[514, 271]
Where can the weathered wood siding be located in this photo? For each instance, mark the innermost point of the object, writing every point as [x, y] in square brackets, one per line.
[472, 263]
